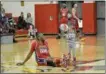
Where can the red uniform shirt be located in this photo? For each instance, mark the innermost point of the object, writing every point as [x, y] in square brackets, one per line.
[64, 11]
[41, 49]
[74, 21]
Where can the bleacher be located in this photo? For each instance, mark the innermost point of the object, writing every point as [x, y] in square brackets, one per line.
[7, 38]
[21, 32]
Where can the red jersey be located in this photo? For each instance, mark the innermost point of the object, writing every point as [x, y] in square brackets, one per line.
[64, 11]
[64, 20]
[41, 49]
[74, 21]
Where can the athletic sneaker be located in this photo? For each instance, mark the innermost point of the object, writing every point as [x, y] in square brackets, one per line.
[14, 41]
[74, 61]
[58, 37]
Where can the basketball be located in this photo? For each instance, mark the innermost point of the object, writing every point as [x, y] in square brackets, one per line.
[64, 27]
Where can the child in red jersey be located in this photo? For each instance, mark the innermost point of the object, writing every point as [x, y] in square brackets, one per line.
[40, 46]
[43, 58]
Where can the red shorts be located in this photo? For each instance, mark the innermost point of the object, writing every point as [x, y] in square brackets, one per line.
[64, 20]
[74, 22]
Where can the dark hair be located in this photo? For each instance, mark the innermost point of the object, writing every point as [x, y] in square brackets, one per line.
[73, 3]
[64, 5]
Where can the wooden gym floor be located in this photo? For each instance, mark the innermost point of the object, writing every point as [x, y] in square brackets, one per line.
[89, 53]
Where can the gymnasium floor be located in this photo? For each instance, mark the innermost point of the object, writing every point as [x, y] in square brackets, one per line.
[90, 56]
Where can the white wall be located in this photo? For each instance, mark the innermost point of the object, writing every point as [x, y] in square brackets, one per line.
[15, 7]
[89, 1]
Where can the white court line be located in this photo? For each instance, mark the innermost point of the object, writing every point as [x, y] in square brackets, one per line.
[90, 71]
[99, 63]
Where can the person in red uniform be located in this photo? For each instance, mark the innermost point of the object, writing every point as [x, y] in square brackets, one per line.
[74, 18]
[64, 11]
[63, 18]
[40, 47]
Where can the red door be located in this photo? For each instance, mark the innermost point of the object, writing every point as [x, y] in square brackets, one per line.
[89, 18]
[46, 18]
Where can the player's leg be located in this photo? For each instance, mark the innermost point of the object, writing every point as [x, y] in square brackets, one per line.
[74, 53]
[58, 36]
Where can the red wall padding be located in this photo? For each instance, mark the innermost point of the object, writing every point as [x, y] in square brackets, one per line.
[89, 18]
[42, 18]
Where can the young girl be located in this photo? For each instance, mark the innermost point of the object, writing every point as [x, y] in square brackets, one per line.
[40, 47]
[63, 18]
[43, 57]
[71, 41]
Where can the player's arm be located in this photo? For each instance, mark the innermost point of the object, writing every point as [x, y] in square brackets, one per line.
[29, 55]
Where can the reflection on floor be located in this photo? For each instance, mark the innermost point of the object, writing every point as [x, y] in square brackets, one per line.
[90, 56]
